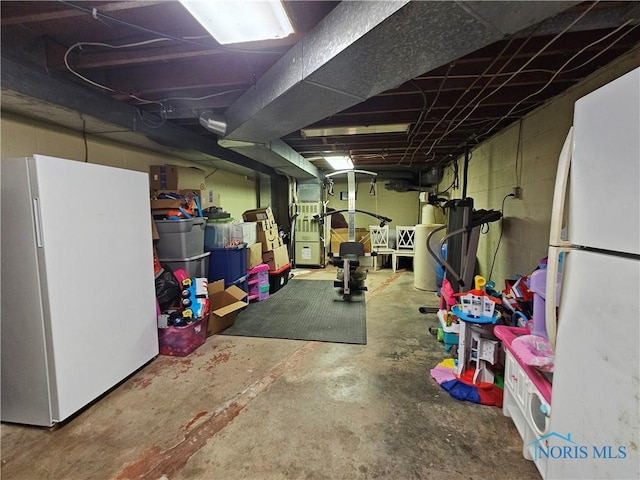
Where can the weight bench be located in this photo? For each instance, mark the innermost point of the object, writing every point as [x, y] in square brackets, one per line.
[349, 260]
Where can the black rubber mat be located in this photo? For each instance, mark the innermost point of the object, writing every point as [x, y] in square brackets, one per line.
[305, 310]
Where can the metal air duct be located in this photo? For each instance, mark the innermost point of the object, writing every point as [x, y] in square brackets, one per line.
[363, 48]
[214, 123]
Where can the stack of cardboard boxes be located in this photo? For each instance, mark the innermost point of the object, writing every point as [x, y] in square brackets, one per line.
[186, 182]
[269, 248]
[225, 301]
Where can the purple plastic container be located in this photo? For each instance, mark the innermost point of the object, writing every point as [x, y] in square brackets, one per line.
[537, 285]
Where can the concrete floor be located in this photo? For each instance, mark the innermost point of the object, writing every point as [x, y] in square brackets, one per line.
[253, 408]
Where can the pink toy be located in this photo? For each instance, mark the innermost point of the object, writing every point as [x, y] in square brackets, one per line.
[534, 351]
[447, 295]
[180, 275]
[508, 335]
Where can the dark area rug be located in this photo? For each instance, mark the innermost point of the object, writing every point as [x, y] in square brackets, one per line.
[305, 310]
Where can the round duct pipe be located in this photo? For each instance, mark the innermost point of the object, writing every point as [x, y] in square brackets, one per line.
[214, 123]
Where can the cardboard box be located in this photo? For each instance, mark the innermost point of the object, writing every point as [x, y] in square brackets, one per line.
[271, 245]
[265, 225]
[254, 255]
[269, 239]
[210, 199]
[224, 305]
[339, 235]
[167, 203]
[174, 176]
[276, 258]
[258, 214]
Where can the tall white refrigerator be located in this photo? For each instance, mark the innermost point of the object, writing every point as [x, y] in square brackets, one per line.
[594, 422]
[78, 292]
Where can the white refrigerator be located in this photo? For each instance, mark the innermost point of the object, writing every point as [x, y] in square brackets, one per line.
[78, 294]
[594, 422]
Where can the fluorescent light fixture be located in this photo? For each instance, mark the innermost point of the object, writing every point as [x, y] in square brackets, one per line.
[340, 162]
[355, 130]
[241, 21]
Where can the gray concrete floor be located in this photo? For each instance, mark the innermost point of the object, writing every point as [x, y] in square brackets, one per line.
[253, 408]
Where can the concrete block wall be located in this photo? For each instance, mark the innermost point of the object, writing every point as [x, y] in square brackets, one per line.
[498, 164]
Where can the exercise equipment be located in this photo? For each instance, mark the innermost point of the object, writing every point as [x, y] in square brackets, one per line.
[351, 279]
[463, 233]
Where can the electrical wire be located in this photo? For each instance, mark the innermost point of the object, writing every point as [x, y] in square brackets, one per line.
[501, 233]
[135, 97]
[205, 97]
[413, 131]
[449, 129]
[518, 71]
[143, 101]
[162, 37]
[442, 118]
[560, 70]
[99, 85]
[483, 134]
[417, 129]
[519, 155]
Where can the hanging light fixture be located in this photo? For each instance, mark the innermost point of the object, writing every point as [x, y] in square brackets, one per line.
[339, 162]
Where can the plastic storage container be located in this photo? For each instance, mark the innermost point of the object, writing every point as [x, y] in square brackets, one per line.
[196, 266]
[180, 238]
[181, 341]
[217, 233]
[278, 278]
[228, 264]
[244, 232]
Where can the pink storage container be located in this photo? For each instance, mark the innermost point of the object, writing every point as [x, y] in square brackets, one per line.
[181, 341]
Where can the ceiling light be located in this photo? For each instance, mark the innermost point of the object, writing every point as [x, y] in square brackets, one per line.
[355, 130]
[241, 21]
[340, 162]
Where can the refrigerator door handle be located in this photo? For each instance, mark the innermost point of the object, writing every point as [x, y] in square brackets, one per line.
[559, 193]
[551, 316]
[37, 222]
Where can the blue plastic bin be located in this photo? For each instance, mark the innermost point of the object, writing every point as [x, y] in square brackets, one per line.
[228, 263]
